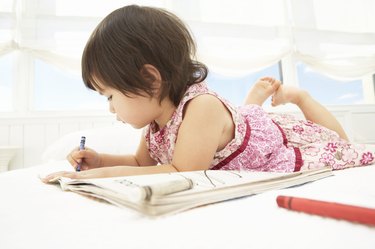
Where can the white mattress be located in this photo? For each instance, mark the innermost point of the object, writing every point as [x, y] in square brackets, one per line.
[36, 215]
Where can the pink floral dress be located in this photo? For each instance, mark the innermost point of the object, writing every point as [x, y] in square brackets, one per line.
[263, 141]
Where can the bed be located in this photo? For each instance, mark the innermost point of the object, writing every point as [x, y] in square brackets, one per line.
[36, 215]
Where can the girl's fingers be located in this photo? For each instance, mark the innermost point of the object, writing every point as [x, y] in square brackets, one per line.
[72, 161]
[84, 167]
[54, 176]
[73, 158]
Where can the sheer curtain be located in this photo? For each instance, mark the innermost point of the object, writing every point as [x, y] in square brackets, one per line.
[336, 37]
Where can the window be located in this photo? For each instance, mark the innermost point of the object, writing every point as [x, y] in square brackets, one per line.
[49, 37]
[55, 89]
[98, 8]
[329, 91]
[6, 81]
[233, 37]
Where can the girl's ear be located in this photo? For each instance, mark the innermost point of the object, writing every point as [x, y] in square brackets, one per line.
[152, 75]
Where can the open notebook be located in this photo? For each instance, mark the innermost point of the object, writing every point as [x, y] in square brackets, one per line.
[162, 194]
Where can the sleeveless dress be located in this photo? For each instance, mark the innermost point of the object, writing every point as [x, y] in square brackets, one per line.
[262, 141]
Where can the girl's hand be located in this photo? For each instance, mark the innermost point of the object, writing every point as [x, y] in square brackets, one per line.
[92, 173]
[88, 158]
[72, 175]
[54, 176]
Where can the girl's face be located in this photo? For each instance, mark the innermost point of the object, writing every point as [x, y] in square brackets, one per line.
[138, 111]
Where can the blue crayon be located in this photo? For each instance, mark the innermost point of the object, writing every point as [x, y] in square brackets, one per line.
[81, 147]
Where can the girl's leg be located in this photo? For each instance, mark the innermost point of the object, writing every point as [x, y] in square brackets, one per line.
[262, 90]
[311, 109]
[337, 155]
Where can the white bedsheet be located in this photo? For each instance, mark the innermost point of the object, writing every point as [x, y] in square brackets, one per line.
[36, 215]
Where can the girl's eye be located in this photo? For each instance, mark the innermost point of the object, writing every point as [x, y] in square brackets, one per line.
[109, 98]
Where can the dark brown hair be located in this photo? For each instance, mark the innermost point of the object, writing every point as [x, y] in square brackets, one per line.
[133, 36]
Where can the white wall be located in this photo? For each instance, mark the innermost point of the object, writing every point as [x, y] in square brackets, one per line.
[34, 134]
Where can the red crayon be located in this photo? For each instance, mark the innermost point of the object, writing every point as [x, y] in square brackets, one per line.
[328, 209]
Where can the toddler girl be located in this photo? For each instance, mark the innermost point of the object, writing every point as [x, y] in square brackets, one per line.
[141, 60]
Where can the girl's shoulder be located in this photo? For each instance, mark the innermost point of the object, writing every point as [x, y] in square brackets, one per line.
[205, 102]
[203, 95]
[200, 103]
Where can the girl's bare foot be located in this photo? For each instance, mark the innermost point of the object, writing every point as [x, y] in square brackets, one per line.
[288, 94]
[262, 90]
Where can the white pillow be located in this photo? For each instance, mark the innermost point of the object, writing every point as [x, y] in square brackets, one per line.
[117, 139]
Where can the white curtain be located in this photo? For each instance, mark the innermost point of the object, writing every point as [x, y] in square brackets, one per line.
[335, 37]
